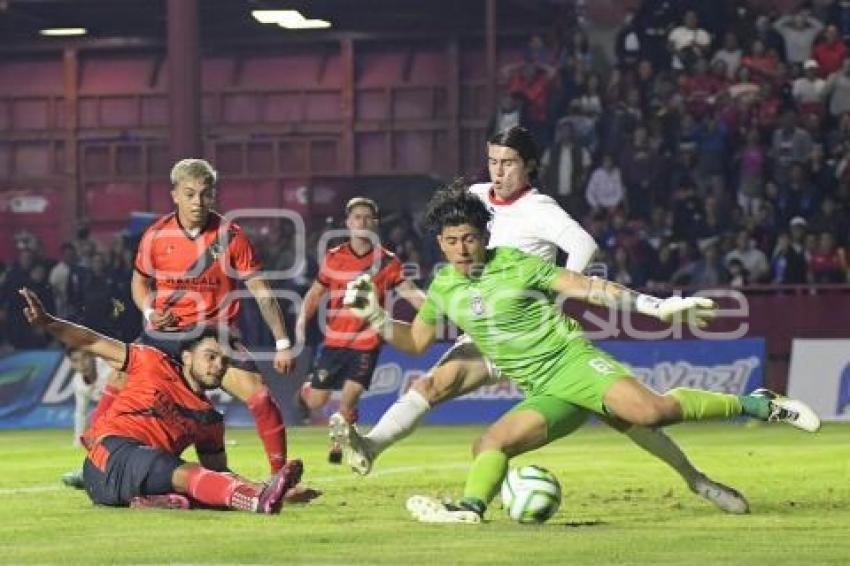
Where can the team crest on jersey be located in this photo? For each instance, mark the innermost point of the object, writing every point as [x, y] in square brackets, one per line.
[477, 304]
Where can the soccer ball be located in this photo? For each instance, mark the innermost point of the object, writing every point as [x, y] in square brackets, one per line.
[531, 494]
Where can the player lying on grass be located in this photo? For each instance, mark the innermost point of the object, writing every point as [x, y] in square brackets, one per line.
[499, 297]
[134, 449]
[532, 222]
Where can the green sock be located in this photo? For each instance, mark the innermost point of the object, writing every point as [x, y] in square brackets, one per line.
[756, 406]
[698, 405]
[485, 477]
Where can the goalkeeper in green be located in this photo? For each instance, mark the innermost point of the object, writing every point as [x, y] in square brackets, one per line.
[502, 299]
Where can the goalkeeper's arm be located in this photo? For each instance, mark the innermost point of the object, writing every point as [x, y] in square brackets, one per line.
[412, 338]
[602, 292]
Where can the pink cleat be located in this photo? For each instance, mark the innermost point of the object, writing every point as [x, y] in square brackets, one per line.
[270, 499]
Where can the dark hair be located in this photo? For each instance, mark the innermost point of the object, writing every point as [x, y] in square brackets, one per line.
[220, 336]
[520, 140]
[455, 205]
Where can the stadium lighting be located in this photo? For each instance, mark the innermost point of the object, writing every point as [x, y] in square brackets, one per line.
[289, 19]
[63, 32]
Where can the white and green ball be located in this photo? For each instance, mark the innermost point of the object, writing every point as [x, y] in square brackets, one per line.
[531, 494]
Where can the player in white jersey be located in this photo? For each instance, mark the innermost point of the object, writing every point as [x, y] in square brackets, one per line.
[93, 379]
[533, 222]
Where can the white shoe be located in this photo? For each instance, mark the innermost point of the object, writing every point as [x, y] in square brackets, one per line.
[429, 510]
[722, 496]
[794, 412]
[356, 450]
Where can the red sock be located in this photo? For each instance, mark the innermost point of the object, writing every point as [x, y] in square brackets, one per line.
[270, 427]
[106, 398]
[221, 490]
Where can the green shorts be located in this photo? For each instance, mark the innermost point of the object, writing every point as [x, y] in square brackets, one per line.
[579, 387]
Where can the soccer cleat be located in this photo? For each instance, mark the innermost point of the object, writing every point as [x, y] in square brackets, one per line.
[270, 499]
[357, 452]
[338, 433]
[791, 411]
[722, 496]
[73, 479]
[165, 501]
[429, 510]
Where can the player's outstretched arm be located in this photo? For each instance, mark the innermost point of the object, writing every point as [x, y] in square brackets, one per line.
[606, 293]
[73, 335]
[413, 338]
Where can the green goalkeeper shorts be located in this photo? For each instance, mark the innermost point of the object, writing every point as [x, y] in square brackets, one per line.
[579, 387]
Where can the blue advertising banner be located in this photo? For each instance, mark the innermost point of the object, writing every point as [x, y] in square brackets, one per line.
[36, 389]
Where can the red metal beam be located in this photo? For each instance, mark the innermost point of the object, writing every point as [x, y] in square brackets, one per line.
[184, 79]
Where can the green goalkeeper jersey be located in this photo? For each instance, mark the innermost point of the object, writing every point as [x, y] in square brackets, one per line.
[508, 311]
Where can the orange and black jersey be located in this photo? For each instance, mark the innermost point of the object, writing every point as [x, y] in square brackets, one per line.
[159, 409]
[194, 276]
[341, 265]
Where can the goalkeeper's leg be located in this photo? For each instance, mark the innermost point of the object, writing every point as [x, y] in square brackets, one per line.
[656, 442]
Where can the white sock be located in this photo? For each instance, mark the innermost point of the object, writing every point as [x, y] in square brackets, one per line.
[657, 443]
[398, 421]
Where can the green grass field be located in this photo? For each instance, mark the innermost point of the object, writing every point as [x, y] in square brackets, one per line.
[620, 506]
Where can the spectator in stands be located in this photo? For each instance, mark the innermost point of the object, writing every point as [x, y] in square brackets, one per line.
[730, 54]
[738, 275]
[533, 80]
[96, 300]
[801, 197]
[829, 218]
[640, 166]
[708, 270]
[830, 52]
[790, 144]
[838, 90]
[828, 263]
[605, 189]
[621, 269]
[628, 42]
[85, 245]
[799, 31]
[751, 170]
[60, 280]
[808, 90]
[762, 63]
[787, 262]
[688, 42]
[565, 169]
[821, 172]
[752, 259]
[510, 113]
[21, 335]
[772, 42]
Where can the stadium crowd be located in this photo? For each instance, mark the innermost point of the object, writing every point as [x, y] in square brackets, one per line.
[714, 150]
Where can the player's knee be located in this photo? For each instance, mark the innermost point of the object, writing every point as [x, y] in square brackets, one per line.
[488, 441]
[425, 387]
[244, 385]
[654, 413]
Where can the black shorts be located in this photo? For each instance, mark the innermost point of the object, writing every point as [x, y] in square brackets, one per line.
[169, 342]
[334, 366]
[130, 469]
